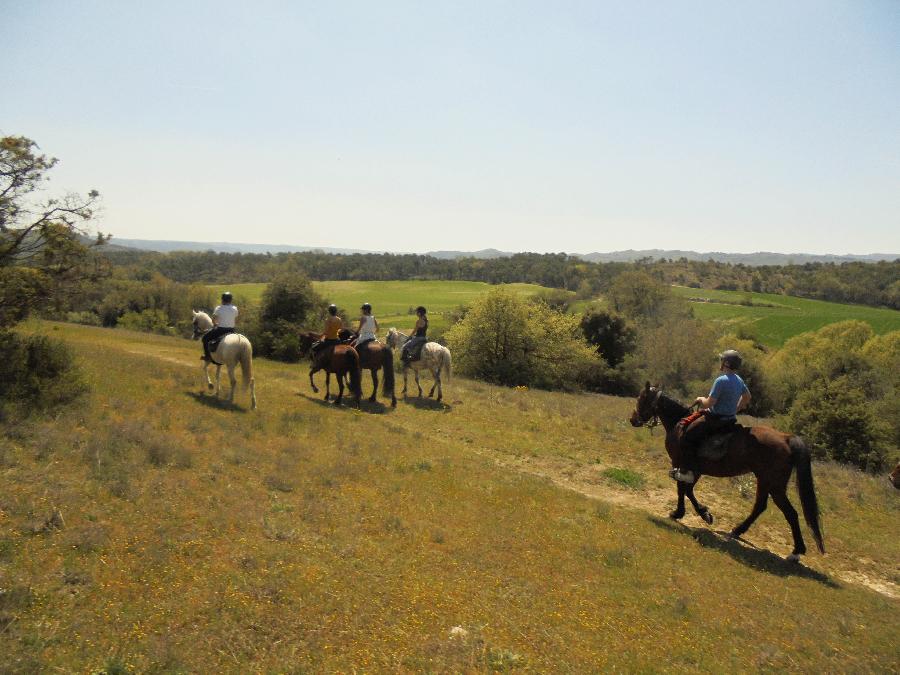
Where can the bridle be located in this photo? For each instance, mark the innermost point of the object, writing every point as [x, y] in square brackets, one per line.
[654, 408]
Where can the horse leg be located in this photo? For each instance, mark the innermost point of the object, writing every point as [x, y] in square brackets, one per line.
[209, 383]
[678, 513]
[374, 372]
[405, 377]
[702, 511]
[434, 384]
[312, 371]
[233, 380]
[439, 385]
[417, 383]
[218, 373]
[784, 504]
[328, 384]
[762, 499]
[340, 379]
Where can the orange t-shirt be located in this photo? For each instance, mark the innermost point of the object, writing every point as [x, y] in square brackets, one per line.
[333, 325]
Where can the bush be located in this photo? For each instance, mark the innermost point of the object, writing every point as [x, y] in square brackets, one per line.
[147, 321]
[510, 341]
[289, 305]
[839, 423]
[613, 338]
[36, 374]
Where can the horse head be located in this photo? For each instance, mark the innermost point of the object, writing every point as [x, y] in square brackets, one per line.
[645, 409]
[306, 340]
[895, 476]
[201, 323]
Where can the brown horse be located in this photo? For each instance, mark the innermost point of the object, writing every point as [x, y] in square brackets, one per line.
[372, 356]
[768, 454]
[338, 359]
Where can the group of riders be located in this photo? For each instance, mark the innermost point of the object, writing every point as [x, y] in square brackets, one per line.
[225, 320]
[716, 412]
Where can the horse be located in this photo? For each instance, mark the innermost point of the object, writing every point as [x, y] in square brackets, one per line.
[231, 350]
[339, 359]
[768, 454]
[372, 356]
[434, 358]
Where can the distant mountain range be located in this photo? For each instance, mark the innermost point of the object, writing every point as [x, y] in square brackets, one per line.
[753, 259]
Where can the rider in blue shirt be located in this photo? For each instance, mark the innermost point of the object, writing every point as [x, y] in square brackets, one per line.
[728, 395]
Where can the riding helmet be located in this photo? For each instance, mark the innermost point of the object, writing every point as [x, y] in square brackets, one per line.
[421, 310]
[731, 359]
[226, 297]
[332, 309]
[366, 307]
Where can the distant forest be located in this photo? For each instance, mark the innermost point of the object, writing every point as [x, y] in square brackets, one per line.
[874, 284]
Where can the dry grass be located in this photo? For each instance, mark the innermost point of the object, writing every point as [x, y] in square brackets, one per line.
[304, 537]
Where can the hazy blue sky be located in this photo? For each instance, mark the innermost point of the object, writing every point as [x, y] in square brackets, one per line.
[415, 126]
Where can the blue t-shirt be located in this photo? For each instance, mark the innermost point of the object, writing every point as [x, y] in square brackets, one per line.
[727, 390]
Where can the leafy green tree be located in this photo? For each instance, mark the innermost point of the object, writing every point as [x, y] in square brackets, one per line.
[510, 341]
[611, 335]
[677, 353]
[289, 305]
[41, 242]
[638, 295]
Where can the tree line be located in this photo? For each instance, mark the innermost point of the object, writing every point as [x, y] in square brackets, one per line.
[874, 284]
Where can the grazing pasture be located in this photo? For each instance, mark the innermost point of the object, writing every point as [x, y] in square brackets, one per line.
[393, 301]
[151, 527]
[773, 319]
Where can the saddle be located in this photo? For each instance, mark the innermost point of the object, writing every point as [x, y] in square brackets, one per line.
[715, 445]
[414, 352]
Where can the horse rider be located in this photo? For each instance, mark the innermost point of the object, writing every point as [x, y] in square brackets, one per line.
[224, 320]
[331, 335]
[417, 338]
[727, 397]
[367, 328]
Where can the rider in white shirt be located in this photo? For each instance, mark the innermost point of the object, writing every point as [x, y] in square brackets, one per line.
[368, 326]
[225, 319]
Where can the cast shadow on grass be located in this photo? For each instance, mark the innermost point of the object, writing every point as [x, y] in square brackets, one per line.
[375, 408]
[745, 552]
[211, 401]
[424, 403]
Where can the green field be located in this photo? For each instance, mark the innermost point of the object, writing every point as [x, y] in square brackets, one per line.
[773, 319]
[393, 302]
[504, 530]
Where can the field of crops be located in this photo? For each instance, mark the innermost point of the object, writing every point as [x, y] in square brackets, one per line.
[393, 302]
[773, 319]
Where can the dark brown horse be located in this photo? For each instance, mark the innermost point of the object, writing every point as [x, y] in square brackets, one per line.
[372, 356]
[338, 359]
[768, 454]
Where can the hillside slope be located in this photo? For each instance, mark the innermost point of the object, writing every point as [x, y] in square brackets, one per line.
[307, 537]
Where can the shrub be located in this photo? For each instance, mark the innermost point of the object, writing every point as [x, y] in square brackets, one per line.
[611, 335]
[36, 374]
[289, 304]
[839, 424]
[147, 321]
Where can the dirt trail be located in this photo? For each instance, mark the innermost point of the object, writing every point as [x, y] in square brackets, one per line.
[588, 480]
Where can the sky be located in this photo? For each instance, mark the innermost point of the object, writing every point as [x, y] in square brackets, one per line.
[419, 126]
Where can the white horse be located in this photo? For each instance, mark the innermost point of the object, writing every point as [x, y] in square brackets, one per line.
[434, 358]
[231, 350]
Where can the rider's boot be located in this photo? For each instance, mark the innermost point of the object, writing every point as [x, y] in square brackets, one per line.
[682, 475]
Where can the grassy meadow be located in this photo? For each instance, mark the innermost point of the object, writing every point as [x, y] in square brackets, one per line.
[393, 302]
[773, 319]
[503, 530]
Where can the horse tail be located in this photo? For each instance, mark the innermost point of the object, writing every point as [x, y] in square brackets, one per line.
[801, 459]
[387, 363]
[246, 355]
[447, 362]
[355, 377]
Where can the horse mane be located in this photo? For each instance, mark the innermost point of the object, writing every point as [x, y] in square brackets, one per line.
[672, 403]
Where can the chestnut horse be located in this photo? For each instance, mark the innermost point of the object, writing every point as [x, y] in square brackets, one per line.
[337, 359]
[768, 454]
[372, 356]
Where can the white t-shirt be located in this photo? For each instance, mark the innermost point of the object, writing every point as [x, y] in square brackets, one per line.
[225, 316]
[367, 330]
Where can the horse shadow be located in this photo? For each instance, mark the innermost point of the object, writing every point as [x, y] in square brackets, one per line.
[744, 552]
[372, 407]
[213, 401]
[423, 403]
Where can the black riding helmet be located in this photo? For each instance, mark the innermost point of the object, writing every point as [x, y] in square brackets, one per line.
[332, 309]
[226, 297]
[731, 358]
[421, 310]
[366, 307]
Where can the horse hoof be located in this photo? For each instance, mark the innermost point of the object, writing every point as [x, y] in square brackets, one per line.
[707, 517]
[793, 558]
[676, 514]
